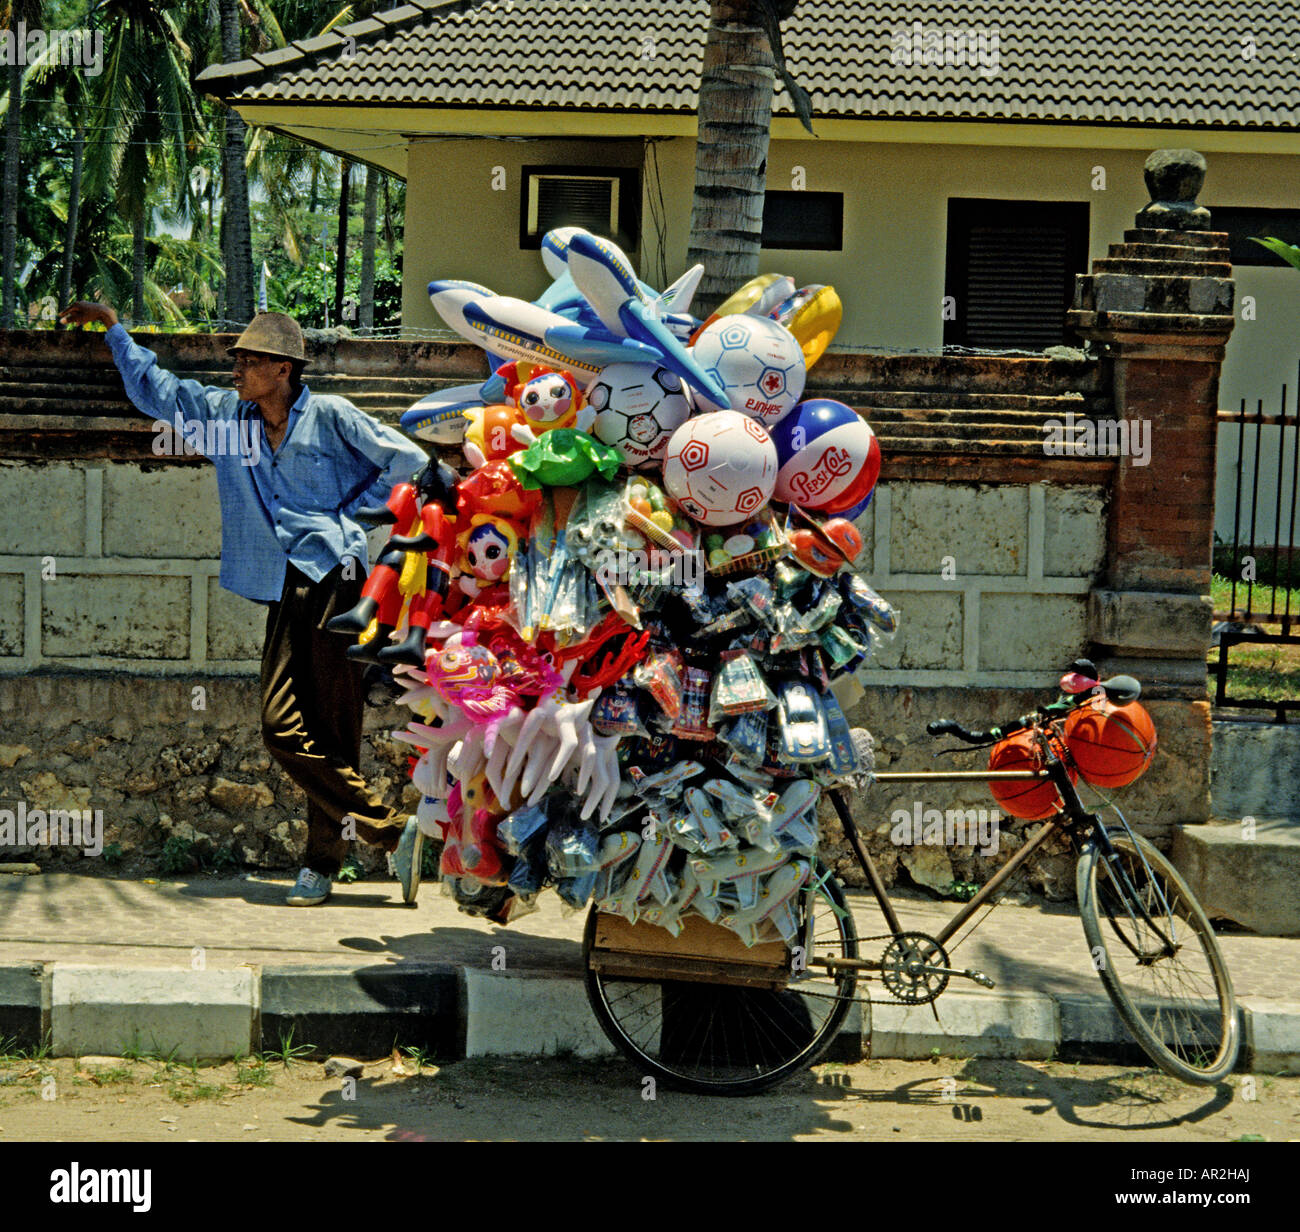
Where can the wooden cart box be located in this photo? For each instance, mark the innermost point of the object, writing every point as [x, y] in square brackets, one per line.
[701, 952]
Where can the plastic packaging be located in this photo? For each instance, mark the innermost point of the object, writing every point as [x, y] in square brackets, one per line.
[692, 719]
[660, 674]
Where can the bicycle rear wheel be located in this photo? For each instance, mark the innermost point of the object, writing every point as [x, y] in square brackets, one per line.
[1164, 973]
[726, 1040]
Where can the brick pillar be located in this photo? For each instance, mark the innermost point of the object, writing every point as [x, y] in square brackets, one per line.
[1159, 310]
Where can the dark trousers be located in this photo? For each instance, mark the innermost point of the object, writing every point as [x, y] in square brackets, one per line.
[312, 703]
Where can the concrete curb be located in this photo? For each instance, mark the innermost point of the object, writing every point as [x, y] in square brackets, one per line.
[453, 1012]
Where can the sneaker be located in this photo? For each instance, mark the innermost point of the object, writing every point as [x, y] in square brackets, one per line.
[310, 890]
[405, 860]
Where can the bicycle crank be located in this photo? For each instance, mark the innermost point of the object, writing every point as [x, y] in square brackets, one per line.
[913, 967]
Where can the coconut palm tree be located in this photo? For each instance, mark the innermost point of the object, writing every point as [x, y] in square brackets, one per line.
[236, 232]
[12, 13]
[366, 294]
[742, 59]
[65, 87]
[146, 118]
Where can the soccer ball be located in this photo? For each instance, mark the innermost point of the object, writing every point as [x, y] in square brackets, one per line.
[720, 467]
[757, 361]
[638, 407]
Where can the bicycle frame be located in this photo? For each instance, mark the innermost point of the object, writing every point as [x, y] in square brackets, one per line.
[1072, 820]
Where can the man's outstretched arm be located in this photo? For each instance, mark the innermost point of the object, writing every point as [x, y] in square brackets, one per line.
[152, 389]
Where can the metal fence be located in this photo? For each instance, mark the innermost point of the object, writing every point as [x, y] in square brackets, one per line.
[1247, 561]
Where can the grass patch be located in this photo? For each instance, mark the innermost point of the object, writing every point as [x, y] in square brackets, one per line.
[1269, 671]
[288, 1052]
[254, 1072]
[422, 1057]
[1264, 598]
[189, 1089]
[10, 1053]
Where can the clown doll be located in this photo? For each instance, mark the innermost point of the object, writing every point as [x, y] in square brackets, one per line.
[546, 400]
[487, 548]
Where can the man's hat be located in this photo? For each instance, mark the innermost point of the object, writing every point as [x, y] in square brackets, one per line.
[271, 333]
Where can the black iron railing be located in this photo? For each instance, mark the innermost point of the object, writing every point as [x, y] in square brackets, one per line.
[1242, 623]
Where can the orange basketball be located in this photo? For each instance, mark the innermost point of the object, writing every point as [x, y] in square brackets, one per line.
[1112, 745]
[1025, 798]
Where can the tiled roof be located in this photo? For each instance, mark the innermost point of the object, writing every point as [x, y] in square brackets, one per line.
[1064, 61]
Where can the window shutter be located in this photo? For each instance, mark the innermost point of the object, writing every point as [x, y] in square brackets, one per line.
[1011, 269]
[573, 201]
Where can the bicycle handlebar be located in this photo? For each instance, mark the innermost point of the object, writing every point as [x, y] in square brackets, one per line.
[1118, 689]
[950, 727]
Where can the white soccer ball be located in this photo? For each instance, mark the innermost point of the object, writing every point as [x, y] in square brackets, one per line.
[720, 467]
[638, 407]
[757, 361]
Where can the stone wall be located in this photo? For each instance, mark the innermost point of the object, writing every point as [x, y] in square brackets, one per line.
[128, 676]
[175, 758]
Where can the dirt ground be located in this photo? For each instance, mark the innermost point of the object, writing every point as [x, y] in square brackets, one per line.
[104, 1099]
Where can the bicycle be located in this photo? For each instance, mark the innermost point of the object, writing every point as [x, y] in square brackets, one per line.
[740, 1027]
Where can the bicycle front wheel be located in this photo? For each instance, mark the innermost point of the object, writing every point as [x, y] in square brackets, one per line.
[726, 1040]
[1158, 959]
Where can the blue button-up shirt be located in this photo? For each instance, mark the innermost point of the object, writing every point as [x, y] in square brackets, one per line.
[292, 504]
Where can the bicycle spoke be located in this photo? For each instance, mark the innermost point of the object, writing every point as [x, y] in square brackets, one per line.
[735, 1038]
[1167, 980]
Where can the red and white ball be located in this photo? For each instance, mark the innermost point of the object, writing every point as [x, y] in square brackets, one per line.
[720, 467]
[757, 361]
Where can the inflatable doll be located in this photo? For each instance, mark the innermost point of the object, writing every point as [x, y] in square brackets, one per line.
[423, 507]
[546, 400]
[490, 436]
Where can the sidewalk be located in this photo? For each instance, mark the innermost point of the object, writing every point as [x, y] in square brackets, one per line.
[218, 967]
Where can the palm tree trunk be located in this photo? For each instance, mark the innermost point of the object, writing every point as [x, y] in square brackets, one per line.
[137, 258]
[735, 118]
[74, 213]
[341, 247]
[236, 231]
[390, 238]
[13, 151]
[368, 237]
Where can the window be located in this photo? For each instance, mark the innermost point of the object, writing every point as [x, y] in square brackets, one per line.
[1011, 268]
[1241, 223]
[794, 219]
[604, 200]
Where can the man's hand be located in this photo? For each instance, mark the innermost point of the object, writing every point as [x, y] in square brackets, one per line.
[84, 312]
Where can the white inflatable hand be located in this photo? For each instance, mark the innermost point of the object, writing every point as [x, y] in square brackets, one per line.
[571, 724]
[536, 778]
[507, 738]
[539, 719]
[469, 759]
[601, 755]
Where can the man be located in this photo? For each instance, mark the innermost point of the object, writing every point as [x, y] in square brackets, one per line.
[293, 468]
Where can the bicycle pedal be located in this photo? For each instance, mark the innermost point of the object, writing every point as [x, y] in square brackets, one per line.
[980, 978]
